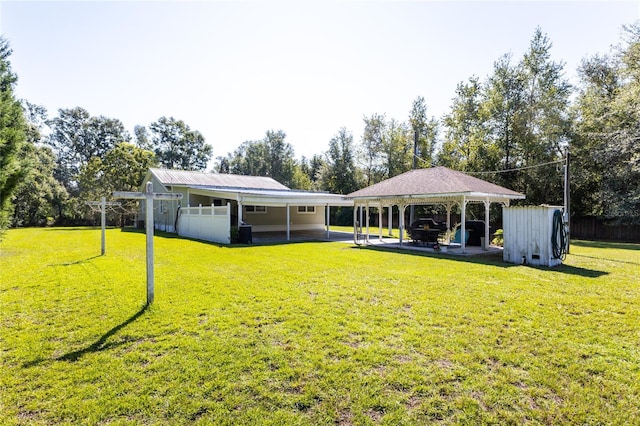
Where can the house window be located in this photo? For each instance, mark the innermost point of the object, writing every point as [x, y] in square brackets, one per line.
[255, 209]
[307, 209]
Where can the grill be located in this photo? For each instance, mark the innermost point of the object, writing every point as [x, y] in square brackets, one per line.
[426, 231]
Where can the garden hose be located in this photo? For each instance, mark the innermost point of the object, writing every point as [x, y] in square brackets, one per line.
[558, 236]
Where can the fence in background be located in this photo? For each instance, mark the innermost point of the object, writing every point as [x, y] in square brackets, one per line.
[591, 228]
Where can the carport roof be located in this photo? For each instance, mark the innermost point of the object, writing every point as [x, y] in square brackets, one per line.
[250, 190]
[433, 183]
[221, 180]
[270, 197]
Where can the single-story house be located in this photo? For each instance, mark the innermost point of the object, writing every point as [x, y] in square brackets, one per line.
[213, 202]
[432, 186]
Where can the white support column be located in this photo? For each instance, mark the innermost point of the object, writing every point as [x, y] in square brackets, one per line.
[149, 231]
[355, 224]
[390, 221]
[103, 222]
[463, 228]
[401, 208]
[229, 221]
[449, 205]
[288, 224]
[239, 213]
[148, 196]
[328, 225]
[380, 222]
[366, 238]
[487, 204]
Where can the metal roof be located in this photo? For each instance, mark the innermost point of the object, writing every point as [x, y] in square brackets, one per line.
[278, 197]
[219, 180]
[433, 182]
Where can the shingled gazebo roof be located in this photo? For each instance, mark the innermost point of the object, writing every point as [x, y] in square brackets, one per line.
[433, 184]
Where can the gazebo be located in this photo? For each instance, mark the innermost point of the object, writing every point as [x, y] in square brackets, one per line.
[433, 186]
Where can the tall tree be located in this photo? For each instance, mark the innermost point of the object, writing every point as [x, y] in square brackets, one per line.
[77, 137]
[340, 174]
[142, 138]
[606, 149]
[12, 136]
[600, 84]
[465, 145]
[371, 148]
[281, 157]
[397, 149]
[504, 93]
[271, 156]
[547, 122]
[177, 146]
[424, 134]
[39, 196]
[315, 168]
[517, 119]
[123, 168]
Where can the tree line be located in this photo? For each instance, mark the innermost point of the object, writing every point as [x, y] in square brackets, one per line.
[517, 123]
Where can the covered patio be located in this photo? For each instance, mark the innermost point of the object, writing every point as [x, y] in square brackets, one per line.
[433, 186]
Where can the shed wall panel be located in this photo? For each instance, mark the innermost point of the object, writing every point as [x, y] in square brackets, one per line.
[527, 235]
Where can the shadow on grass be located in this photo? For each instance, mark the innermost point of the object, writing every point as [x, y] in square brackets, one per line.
[491, 260]
[100, 344]
[97, 346]
[77, 228]
[484, 259]
[605, 245]
[77, 262]
[626, 262]
[258, 243]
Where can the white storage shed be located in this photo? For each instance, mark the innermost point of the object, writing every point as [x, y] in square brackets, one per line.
[530, 235]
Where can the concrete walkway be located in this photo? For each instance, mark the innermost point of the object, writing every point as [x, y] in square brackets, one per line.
[374, 241]
[454, 249]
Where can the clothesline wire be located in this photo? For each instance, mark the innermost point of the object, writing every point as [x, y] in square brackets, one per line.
[506, 170]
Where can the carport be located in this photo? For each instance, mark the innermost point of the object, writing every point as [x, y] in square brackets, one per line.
[433, 186]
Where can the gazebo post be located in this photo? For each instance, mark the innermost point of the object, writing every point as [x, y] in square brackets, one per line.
[463, 228]
[487, 204]
[360, 211]
[401, 208]
[367, 222]
[355, 225]
[380, 222]
[390, 220]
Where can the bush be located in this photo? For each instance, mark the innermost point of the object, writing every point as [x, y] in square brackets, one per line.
[498, 239]
[235, 235]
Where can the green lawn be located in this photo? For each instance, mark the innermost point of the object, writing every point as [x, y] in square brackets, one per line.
[312, 333]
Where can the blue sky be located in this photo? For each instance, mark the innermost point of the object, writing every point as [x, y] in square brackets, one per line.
[234, 70]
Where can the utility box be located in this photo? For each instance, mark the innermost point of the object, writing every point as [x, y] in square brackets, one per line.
[528, 235]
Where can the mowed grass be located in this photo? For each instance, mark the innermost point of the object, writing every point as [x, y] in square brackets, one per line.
[312, 333]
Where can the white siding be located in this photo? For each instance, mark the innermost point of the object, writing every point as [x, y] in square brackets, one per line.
[527, 235]
[275, 219]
